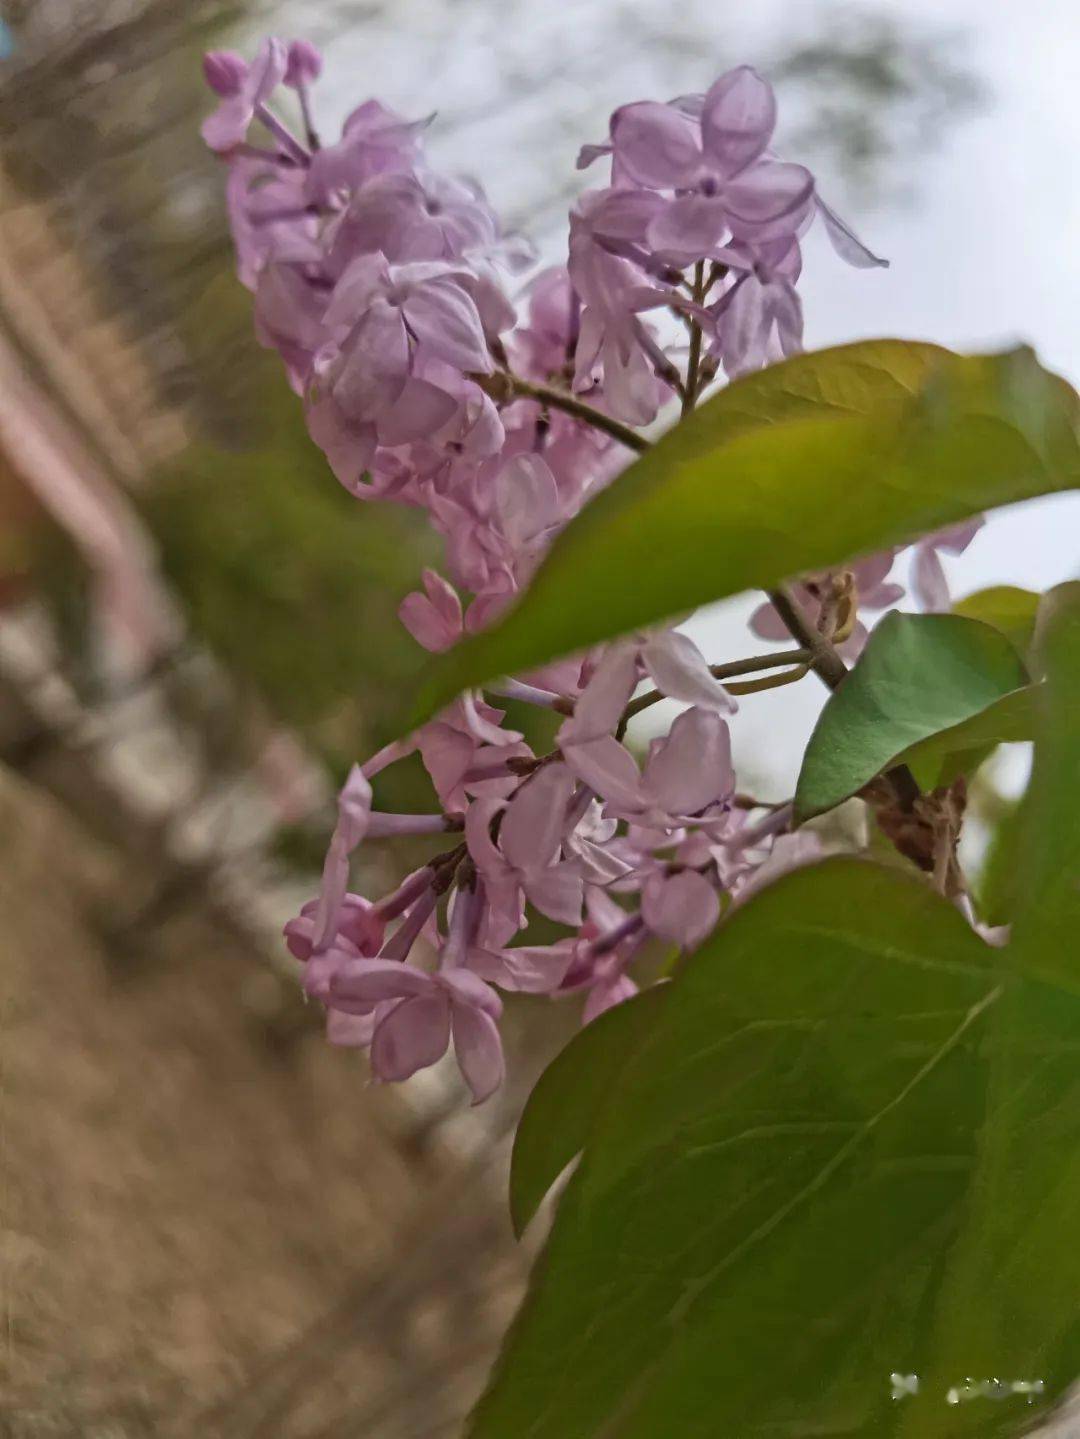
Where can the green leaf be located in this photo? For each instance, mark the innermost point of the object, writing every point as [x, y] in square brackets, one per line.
[806, 465]
[1008, 608]
[1048, 917]
[846, 1146]
[995, 883]
[559, 1115]
[962, 747]
[924, 686]
[771, 1213]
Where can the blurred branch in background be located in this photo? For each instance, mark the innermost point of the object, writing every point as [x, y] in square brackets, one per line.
[876, 93]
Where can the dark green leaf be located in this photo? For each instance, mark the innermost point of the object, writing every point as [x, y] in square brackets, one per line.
[847, 1147]
[923, 683]
[810, 463]
[770, 1215]
[559, 1115]
[995, 883]
[1048, 919]
[963, 747]
[1008, 608]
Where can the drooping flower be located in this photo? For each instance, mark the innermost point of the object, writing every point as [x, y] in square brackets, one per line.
[415, 1016]
[243, 95]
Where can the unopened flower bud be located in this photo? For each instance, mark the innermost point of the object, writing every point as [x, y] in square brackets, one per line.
[225, 71]
[304, 64]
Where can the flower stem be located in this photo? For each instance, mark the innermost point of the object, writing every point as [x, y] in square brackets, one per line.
[503, 387]
[829, 667]
[722, 672]
[693, 364]
[770, 682]
[824, 660]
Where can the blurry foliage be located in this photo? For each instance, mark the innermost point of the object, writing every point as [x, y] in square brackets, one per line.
[995, 883]
[877, 92]
[293, 584]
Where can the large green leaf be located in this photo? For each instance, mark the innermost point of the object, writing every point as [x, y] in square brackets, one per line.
[558, 1119]
[1007, 607]
[847, 1147]
[805, 465]
[1048, 921]
[941, 683]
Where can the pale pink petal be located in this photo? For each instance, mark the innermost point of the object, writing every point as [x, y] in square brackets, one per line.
[630, 385]
[767, 624]
[845, 241]
[769, 199]
[609, 770]
[688, 225]
[588, 154]
[445, 319]
[655, 145]
[487, 858]
[354, 807]
[374, 365]
[447, 754]
[527, 969]
[527, 500]
[737, 119]
[354, 814]
[468, 988]
[607, 994]
[955, 539]
[419, 411]
[556, 892]
[679, 671]
[434, 619]
[349, 448]
[365, 279]
[602, 910]
[928, 581]
[742, 328]
[785, 307]
[486, 730]
[535, 819]
[599, 707]
[410, 1036]
[680, 908]
[624, 214]
[479, 1051]
[691, 768]
[369, 981]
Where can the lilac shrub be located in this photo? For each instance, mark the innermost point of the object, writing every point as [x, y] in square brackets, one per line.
[434, 373]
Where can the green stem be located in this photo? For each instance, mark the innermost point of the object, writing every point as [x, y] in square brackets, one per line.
[504, 387]
[770, 682]
[694, 362]
[830, 668]
[720, 672]
[824, 660]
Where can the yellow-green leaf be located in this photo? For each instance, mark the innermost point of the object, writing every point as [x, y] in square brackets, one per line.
[808, 464]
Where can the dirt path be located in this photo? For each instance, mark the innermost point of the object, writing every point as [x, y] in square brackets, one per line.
[180, 1199]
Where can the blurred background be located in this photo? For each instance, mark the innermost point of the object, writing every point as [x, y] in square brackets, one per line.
[209, 1223]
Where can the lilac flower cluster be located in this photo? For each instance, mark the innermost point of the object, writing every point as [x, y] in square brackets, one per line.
[383, 286]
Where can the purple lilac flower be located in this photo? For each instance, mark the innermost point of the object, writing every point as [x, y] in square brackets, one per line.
[385, 286]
